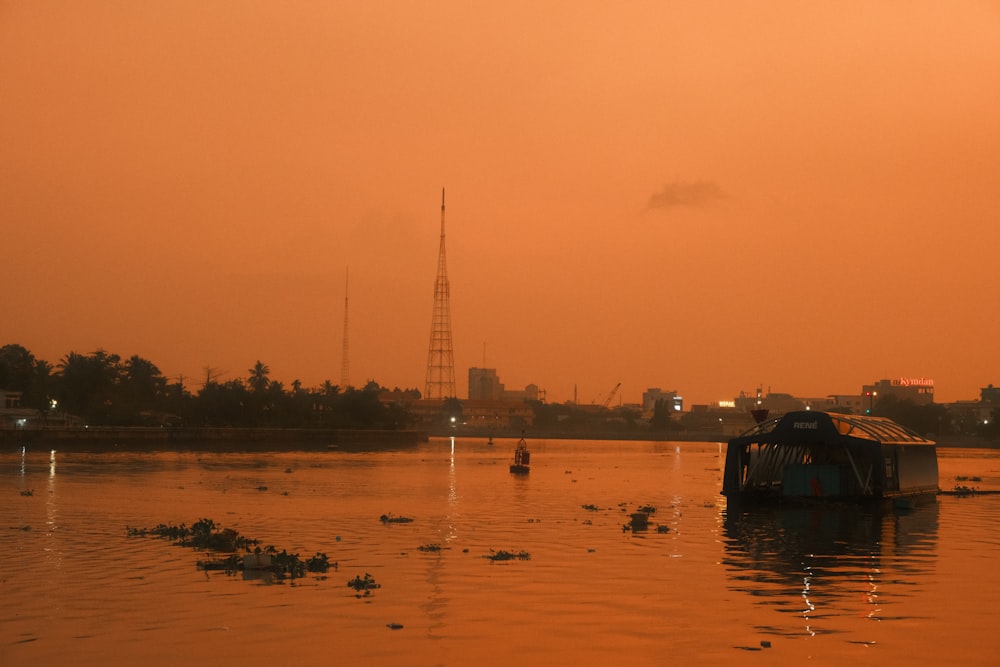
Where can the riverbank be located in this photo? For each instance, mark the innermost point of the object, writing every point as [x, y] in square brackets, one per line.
[533, 434]
[673, 436]
[300, 439]
[209, 439]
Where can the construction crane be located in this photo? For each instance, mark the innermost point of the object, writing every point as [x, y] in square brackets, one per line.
[611, 395]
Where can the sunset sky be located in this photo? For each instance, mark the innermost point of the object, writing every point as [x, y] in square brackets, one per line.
[700, 196]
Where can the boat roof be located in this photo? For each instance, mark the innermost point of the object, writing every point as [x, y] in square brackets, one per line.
[817, 427]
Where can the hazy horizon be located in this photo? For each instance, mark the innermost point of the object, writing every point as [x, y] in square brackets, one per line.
[707, 197]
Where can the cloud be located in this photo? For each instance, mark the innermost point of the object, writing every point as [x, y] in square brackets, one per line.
[680, 193]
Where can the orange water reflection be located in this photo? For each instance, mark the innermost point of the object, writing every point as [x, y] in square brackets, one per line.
[701, 584]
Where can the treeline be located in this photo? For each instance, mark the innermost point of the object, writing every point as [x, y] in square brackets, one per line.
[102, 388]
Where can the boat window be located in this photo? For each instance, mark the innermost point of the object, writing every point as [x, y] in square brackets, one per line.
[844, 427]
[879, 429]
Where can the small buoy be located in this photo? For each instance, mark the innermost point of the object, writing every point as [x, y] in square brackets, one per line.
[338, 538]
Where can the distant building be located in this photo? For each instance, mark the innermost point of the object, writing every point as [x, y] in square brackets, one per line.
[12, 415]
[919, 391]
[499, 415]
[10, 399]
[485, 385]
[479, 415]
[653, 395]
[778, 403]
[398, 396]
[529, 393]
[850, 403]
[724, 420]
[747, 402]
[815, 403]
[969, 415]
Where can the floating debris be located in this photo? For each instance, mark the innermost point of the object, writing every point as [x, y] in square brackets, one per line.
[963, 490]
[230, 564]
[639, 521]
[429, 547]
[389, 518]
[590, 508]
[205, 535]
[507, 555]
[28, 492]
[367, 584]
[319, 563]
[394, 626]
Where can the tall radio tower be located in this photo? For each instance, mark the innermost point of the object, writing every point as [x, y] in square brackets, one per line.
[440, 358]
[345, 363]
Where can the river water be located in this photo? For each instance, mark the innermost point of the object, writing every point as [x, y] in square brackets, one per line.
[826, 586]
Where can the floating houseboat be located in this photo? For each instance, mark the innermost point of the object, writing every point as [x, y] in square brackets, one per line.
[813, 455]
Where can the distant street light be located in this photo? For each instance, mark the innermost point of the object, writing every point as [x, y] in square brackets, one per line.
[871, 399]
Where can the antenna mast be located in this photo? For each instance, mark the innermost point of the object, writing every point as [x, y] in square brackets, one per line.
[345, 364]
[440, 356]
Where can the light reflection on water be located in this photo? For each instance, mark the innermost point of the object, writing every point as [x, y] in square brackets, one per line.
[826, 585]
[836, 560]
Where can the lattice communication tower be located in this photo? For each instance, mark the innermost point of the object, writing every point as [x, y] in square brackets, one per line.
[440, 356]
[345, 363]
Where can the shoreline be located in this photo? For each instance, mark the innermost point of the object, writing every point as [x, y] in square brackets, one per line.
[139, 438]
[142, 438]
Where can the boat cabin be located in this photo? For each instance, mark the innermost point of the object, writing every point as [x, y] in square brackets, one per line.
[825, 455]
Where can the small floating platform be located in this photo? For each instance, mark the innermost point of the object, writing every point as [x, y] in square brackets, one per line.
[522, 459]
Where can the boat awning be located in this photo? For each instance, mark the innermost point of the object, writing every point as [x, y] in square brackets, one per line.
[807, 427]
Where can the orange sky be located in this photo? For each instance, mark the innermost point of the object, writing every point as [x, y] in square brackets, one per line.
[688, 195]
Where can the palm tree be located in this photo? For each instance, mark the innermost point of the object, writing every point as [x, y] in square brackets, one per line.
[258, 377]
[89, 384]
[143, 380]
[17, 366]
